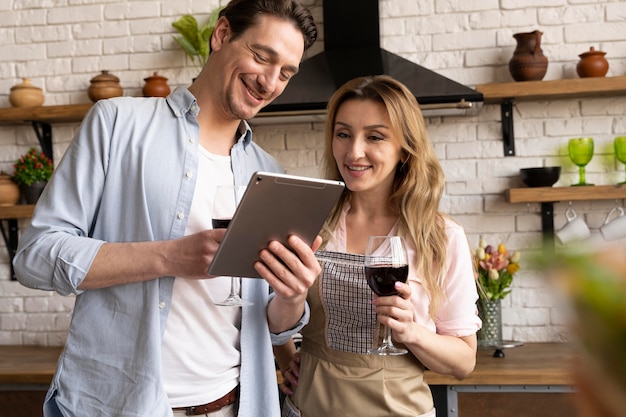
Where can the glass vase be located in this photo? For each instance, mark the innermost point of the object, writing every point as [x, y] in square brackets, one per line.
[490, 313]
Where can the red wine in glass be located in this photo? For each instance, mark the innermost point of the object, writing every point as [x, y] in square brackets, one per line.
[386, 262]
[220, 223]
[382, 278]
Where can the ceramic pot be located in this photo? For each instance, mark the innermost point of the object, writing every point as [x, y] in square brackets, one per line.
[528, 62]
[26, 95]
[9, 190]
[103, 86]
[32, 192]
[156, 86]
[592, 64]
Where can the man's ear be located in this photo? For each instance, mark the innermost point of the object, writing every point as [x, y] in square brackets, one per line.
[220, 34]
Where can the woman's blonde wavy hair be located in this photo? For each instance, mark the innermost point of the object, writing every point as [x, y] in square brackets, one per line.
[419, 180]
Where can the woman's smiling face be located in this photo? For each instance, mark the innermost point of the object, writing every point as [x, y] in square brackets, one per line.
[365, 147]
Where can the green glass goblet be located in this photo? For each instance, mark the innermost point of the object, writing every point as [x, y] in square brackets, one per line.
[580, 152]
[620, 151]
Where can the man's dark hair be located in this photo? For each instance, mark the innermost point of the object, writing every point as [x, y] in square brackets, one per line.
[242, 14]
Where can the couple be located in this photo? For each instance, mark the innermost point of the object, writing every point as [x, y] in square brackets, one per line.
[123, 225]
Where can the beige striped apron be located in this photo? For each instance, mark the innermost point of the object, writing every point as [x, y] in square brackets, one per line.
[337, 377]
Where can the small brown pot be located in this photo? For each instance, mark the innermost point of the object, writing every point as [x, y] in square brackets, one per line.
[9, 190]
[103, 86]
[26, 95]
[156, 86]
[528, 62]
[592, 64]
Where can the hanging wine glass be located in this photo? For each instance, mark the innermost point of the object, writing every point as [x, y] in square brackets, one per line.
[225, 203]
[620, 152]
[386, 261]
[580, 151]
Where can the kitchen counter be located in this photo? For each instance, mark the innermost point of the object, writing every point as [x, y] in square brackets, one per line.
[539, 369]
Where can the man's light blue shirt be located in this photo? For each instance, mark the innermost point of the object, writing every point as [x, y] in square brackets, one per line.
[129, 176]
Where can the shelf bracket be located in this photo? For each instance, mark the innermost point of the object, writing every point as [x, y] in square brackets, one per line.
[508, 136]
[43, 131]
[10, 237]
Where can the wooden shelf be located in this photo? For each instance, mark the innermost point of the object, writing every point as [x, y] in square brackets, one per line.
[21, 211]
[554, 194]
[495, 93]
[46, 114]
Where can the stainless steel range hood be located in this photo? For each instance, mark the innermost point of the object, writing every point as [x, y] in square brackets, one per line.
[352, 49]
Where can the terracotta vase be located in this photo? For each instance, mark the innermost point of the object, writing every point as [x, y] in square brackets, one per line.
[26, 95]
[528, 62]
[592, 64]
[9, 190]
[103, 86]
[156, 86]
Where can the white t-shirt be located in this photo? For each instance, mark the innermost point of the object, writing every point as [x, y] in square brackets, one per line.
[200, 350]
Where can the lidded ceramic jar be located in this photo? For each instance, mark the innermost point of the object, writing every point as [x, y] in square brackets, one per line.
[156, 86]
[103, 86]
[9, 190]
[26, 95]
[592, 64]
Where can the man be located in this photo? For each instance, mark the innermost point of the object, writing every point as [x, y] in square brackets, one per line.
[125, 224]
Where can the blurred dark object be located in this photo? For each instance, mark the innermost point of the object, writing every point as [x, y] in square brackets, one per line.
[540, 176]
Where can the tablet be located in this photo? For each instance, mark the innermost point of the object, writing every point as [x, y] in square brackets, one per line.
[273, 207]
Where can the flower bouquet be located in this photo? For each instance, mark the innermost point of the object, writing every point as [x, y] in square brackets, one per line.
[496, 267]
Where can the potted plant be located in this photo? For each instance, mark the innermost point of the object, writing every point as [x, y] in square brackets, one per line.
[32, 172]
[195, 39]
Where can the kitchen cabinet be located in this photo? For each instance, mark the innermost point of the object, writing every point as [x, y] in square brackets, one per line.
[535, 379]
[506, 94]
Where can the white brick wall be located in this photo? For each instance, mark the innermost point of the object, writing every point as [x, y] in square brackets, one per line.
[61, 45]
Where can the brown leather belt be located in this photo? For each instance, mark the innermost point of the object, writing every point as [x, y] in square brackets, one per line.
[213, 406]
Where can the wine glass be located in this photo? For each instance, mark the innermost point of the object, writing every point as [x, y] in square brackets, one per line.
[620, 151]
[224, 205]
[580, 152]
[386, 262]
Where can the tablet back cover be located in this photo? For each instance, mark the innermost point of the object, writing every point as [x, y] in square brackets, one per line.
[273, 207]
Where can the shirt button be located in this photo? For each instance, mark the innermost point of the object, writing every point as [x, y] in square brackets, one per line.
[189, 174]
[190, 140]
[181, 216]
[162, 304]
[193, 108]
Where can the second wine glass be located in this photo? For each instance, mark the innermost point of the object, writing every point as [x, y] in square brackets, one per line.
[224, 206]
[620, 151]
[386, 261]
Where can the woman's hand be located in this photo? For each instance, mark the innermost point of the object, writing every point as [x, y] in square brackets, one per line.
[396, 312]
[291, 375]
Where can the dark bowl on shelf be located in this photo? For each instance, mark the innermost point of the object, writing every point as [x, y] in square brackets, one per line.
[540, 176]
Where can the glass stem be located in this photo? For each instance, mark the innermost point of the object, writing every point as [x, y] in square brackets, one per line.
[387, 340]
[233, 293]
[581, 174]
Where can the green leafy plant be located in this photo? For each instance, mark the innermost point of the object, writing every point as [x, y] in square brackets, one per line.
[32, 167]
[195, 39]
[496, 267]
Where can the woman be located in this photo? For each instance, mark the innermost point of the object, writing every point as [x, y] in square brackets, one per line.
[376, 142]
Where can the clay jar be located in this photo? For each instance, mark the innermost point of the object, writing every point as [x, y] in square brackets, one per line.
[156, 86]
[9, 190]
[26, 95]
[592, 64]
[528, 62]
[103, 86]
